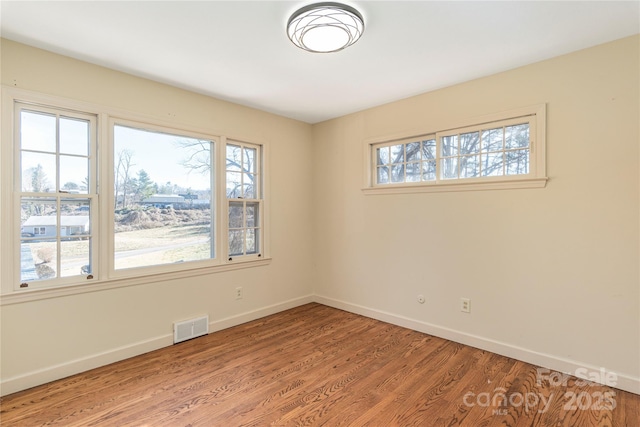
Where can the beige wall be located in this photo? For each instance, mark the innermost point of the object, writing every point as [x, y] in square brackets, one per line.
[552, 273]
[80, 330]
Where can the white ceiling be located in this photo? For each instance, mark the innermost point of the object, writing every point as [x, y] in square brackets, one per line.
[239, 51]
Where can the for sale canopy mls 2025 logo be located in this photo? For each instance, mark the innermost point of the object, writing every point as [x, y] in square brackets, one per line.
[548, 382]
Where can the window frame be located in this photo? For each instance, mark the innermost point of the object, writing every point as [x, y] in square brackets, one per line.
[536, 178]
[58, 196]
[104, 277]
[151, 126]
[258, 200]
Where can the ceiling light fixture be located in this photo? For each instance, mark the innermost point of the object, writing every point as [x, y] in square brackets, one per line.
[325, 27]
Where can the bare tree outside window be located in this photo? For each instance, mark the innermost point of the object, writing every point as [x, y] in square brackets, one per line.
[122, 182]
[485, 152]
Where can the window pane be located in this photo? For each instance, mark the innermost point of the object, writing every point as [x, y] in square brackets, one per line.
[492, 139]
[74, 257]
[517, 162]
[449, 168]
[38, 172]
[74, 136]
[249, 160]
[27, 262]
[397, 153]
[242, 180]
[517, 136]
[163, 198]
[429, 170]
[236, 242]
[37, 131]
[469, 166]
[234, 158]
[234, 185]
[413, 172]
[492, 164]
[470, 143]
[249, 186]
[449, 145]
[383, 175]
[252, 241]
[74, 173]
[252, 215]
[38, 260]
[236, 215]
[397, 173]
[243, 228]
[413, 151]
[429, 149]
[38, 217]
[74, 217]
[382, 155]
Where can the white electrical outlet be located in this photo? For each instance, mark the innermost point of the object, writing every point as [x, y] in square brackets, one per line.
[421, 299]
[239, 292]
[465, 305]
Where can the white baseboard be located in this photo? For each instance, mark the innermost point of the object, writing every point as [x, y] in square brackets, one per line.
[622, 381]
[239, 319]
[56, 372]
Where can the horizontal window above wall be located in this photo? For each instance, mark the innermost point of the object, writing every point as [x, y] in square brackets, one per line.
[501, 151]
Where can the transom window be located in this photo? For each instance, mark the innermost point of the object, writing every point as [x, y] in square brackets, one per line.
[494, 151]
[413, 161]
[497, 151]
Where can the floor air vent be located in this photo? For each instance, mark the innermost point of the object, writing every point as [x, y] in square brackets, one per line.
[191, 328]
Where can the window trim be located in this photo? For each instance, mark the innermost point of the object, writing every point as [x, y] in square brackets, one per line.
[18, 193]
[150, 270]
[259, 254]
[535, 179]
[10, 293]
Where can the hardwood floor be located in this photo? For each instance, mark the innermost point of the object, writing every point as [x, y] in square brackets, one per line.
[315, 365]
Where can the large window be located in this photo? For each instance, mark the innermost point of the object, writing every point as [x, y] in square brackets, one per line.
[162, 198]
[487, 155]
[99, 199]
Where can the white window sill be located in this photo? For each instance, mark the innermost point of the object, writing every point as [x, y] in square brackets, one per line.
[22, 296]
[456, 186]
